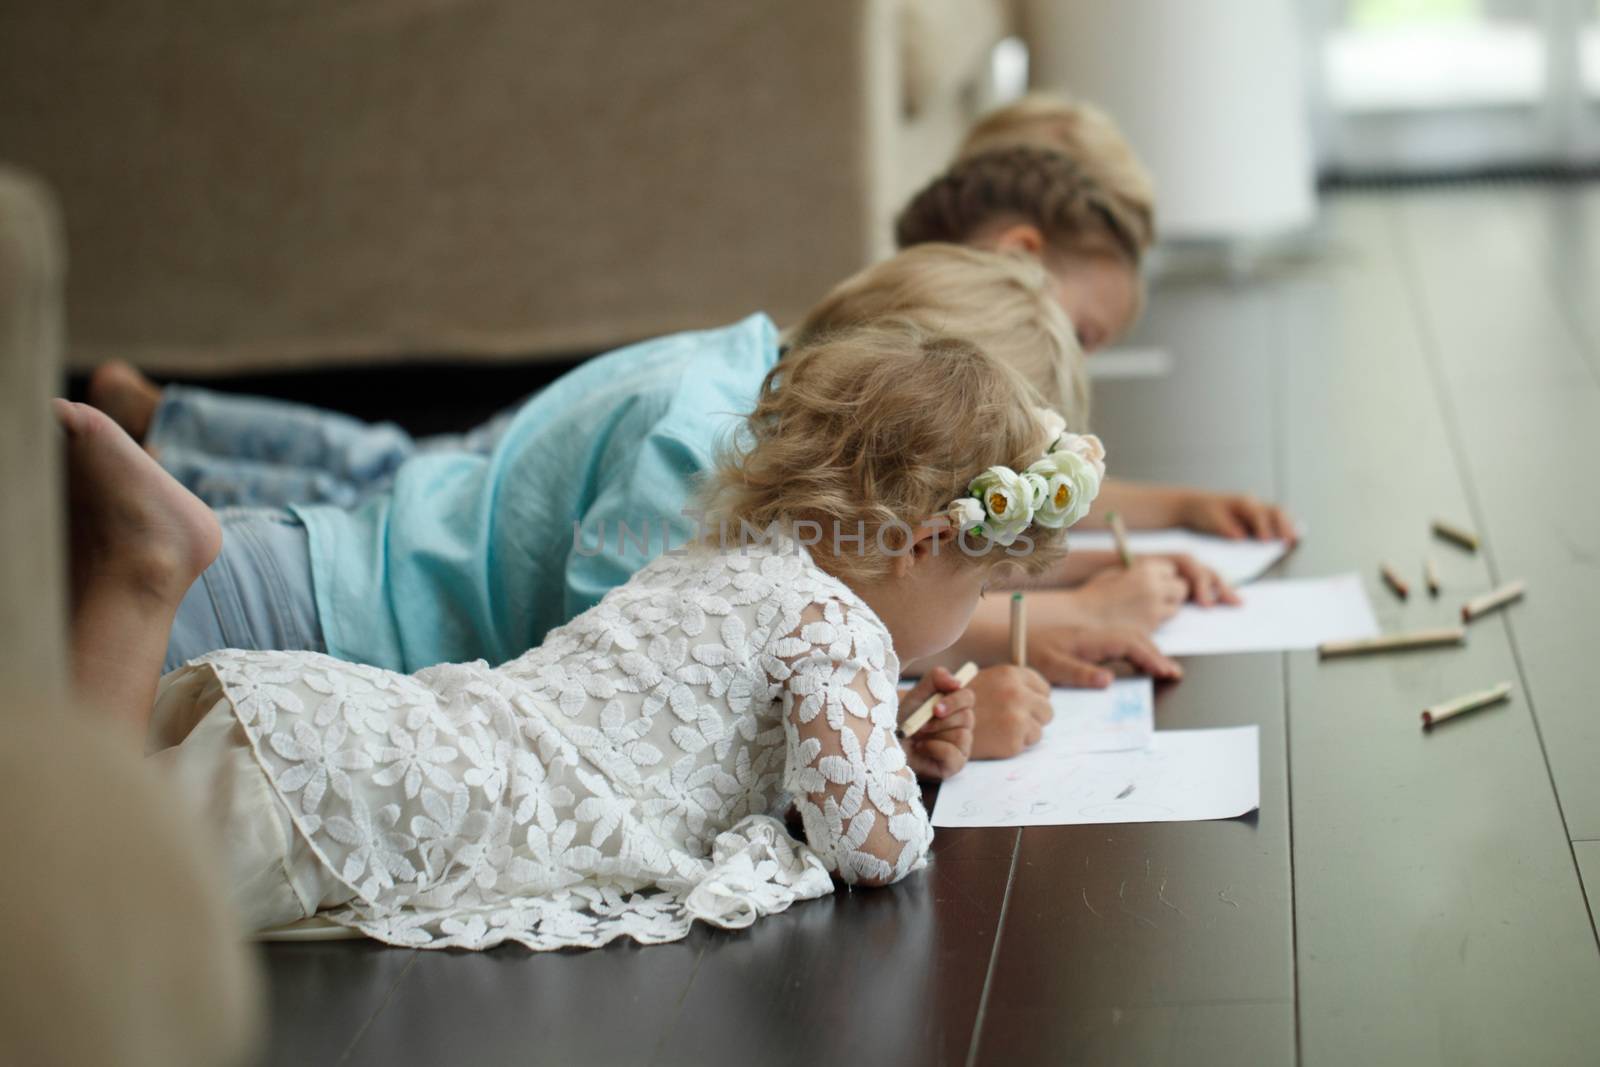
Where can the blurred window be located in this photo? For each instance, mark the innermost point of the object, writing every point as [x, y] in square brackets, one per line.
[1589, 51]
[1414, 54]
[1456, 85]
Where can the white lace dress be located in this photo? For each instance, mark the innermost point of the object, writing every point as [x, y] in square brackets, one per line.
[623, 779]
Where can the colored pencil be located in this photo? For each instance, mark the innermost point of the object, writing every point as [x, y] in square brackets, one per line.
[1461, 705]
[1481, 605]
[919, 718]
[1460, 535]
[1392, 578]
[1449, 635]
[1119, 531]
[1019, 630]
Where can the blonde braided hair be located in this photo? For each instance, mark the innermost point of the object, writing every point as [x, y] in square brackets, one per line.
[1084, 134]
[1041, 186]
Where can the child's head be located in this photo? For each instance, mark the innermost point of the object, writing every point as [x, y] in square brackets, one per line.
[1003, 304]
[1057, 181]
[1088, 137]
[867, 444]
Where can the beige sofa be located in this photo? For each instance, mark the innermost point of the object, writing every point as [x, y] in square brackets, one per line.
[32, 579]
[252, 186]
[118, 946]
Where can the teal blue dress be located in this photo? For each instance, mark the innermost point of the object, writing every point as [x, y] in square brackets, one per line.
[473, 556]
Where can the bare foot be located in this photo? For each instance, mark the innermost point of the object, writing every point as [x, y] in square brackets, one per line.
[132, 523]
[119, 390]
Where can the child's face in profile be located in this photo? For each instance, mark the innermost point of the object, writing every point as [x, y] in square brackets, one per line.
[938, 597]
[1100, 292]
[1097, 286]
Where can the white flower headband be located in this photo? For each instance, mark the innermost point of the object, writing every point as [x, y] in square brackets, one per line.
[1054, 491]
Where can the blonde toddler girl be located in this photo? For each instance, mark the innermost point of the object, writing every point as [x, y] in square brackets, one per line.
[629, 775]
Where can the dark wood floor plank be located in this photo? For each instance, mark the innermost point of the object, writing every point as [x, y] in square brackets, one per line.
[1526, 397]
[321, 995]
[911, 958]
[1170, 942]
[1588, 856]
[511, 1006]
[1438, 915]
[1223, 1033]
[1114, 931]
[1563, 221]
[879, 976]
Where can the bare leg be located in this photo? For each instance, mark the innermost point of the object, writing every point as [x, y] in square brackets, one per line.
[138, 541]
[131, 399]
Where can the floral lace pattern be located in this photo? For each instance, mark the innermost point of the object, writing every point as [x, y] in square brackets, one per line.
[623, 779]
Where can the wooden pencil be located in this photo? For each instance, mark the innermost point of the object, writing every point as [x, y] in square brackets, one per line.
[1431, 574]
[919, 718]
[1119, 532]
[1461, 705]
[1019, 630]
[1460, 535]
[1392, 578]
[1479, 606]
[1448, 635]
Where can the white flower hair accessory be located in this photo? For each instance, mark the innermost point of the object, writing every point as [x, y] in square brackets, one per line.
[1055, 491]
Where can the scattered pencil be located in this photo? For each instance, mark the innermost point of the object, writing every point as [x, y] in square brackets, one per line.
[1019, 630]
[919, 718]
[1461, 705]
[1481, 605]
[1448, 635]
[1394, 581]
[1460, 535]
[1119, 531]
[1431, 573]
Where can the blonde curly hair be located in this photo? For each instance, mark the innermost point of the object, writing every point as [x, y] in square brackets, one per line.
[870, 432]
[1001, 303]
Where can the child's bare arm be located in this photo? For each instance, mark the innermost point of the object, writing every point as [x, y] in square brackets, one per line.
[1235, 515]
[1061, 647]
[1136, 600]
[1204, 586]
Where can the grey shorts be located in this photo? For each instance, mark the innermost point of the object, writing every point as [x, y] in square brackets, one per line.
[256, 595]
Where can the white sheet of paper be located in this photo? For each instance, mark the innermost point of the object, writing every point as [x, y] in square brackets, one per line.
[1277, 615]
[1237, 561]
[1115, 719]
[1184, 775]
[1123, 363]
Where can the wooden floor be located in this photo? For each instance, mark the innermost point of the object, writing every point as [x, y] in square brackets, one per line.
[1400, 898]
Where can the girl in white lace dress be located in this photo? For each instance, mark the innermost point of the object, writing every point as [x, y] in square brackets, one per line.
[631, 774]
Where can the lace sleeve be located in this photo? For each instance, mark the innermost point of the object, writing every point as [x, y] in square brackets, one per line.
[845, 768]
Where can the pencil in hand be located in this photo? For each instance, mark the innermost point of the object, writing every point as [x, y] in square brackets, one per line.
[919, 718]
[1119, 531]
[1019, 630]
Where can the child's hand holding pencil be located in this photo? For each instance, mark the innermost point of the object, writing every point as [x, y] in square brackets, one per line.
[1142, 596]
[1206, 586]
[1084, 657]
[939, 742]
[1012, 709]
